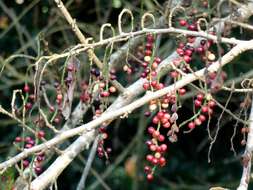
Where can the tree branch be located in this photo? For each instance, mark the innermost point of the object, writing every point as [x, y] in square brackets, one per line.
[247, 155]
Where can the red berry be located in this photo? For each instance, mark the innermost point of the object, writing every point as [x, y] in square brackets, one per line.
[211, 103]
[105, 94]
[188, 52]
[38, 170]
[164, 120]
[146, 86]
[191, 39]
[200, 97]
[191, 125]
[59, 97]
[26, 88]
[180, 51]
[149, 157]
[155, 120]
[149, 46]
[162, 161]
[202, 118]
[41, 134]
[151, 130]
[161, 138]
[27, 139]
[204, 109]
[108, 150]
[158, 60]
[163, 147]
[28, 146]
[147, 169]
[192, 27]
[159, 86]
[148, 52]
[150, 38]
[182, 91]
[174, 74]
[149, 143]
[158, 149]
[187, 58]
[154, 65]
[40, 158]
[18, 139]
[156, 134]
[100, 149]
[28, 106]
[200, 49]
[100, 154]
[166, 125]
[155, 161]
[150, 177]
[112, 89]
[152, 147]
[197, 103]
[25, 163]
[153, 84]
[160, 114]
[182, 22]
[210, 111]
[197, 121]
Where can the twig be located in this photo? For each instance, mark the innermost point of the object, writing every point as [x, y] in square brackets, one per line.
[81, 184]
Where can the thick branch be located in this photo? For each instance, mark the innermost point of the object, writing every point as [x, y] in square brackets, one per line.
[247, 156]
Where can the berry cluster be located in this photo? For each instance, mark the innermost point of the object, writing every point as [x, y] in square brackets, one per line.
[205, 106]
[101, 151]
[29, 142]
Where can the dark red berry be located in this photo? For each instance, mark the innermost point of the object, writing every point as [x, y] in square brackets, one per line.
[25, 163]
[41, 134]
[147, 169]
[200, 97]
[146, 86]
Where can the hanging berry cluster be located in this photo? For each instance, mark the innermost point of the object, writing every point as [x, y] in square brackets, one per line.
[204, 106]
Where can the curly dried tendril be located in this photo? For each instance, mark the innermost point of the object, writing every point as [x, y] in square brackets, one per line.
[144, 17]
[247, 83]
[173, 11]
[199, 23]
[14, 95]
[120, 20]
[108, 25]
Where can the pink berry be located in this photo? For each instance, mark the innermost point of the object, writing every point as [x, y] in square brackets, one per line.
[163, 147]
[149, 157]
[150, 177]
[151, 130]
[197, 103]
[202, 118]
[191, 125]
[26, 88]
[18, 139]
